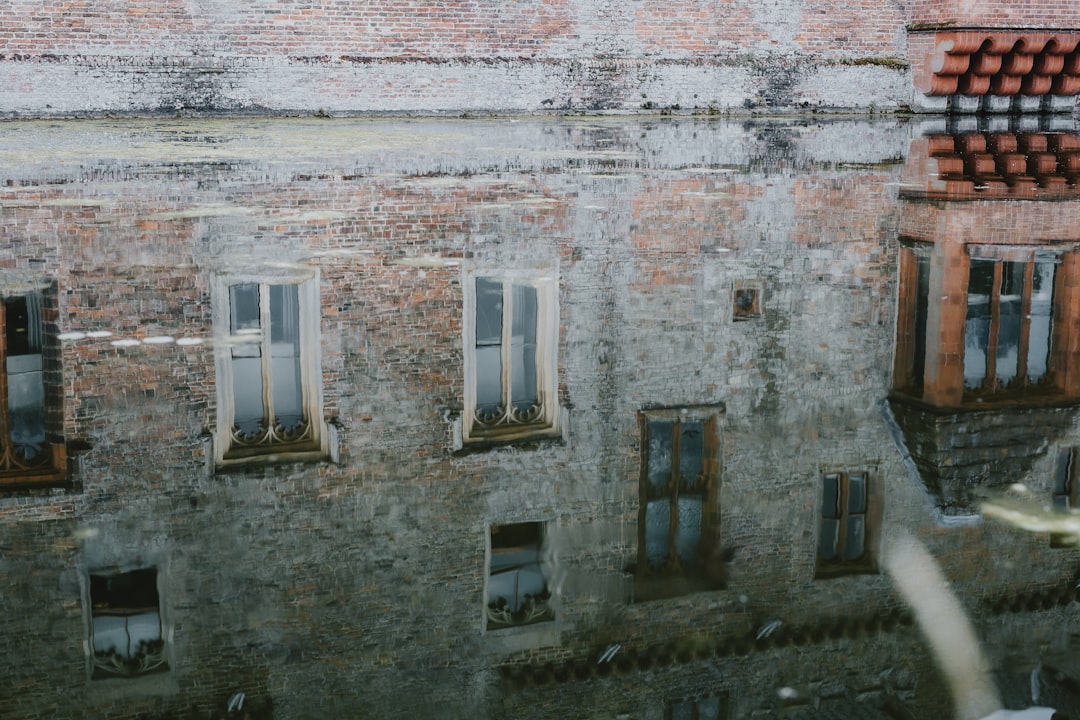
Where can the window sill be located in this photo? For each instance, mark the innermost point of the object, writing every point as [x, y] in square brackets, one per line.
[530, 439]
[668, 587]
[326, 453]
[828, 572]
[523, 637]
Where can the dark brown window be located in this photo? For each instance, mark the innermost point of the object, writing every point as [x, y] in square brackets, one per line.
[126, 624]
[29, 453]
[677, 523]
[1009, 323]
[849, 524]
[517, 576]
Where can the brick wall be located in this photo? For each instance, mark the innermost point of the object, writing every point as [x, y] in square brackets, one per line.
[327, 587]
[1055, 14]
[467, 55]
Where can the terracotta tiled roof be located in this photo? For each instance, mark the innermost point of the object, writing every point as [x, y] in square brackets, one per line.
[1026, 165]
[974, 62]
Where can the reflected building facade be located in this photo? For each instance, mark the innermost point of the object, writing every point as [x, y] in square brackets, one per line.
[555, 419]
[986, 351]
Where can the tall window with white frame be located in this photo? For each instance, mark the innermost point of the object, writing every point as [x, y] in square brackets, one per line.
[269, 384]
[27, 457]
[511, 333]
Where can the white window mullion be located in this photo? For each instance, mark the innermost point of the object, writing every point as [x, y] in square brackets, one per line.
[266, 357]
[506, 348]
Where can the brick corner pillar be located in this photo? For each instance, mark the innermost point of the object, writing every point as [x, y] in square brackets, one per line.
[1065, 352]
[944, 375]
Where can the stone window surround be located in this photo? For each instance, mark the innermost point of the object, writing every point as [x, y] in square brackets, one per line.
[552, 422]
[307, 280]
[531, 628]
[151, 683]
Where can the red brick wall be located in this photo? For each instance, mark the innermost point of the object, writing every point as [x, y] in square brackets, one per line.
[1056, 14]
[461, 28]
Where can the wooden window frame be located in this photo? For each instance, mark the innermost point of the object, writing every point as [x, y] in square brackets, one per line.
[50, 469]
[314, 444]
[676, 578]
[547, 421]
[1020, 383]
[743, 311]
[867, 564]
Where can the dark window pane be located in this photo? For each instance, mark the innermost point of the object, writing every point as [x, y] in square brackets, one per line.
[977, 323]
[855, 539]
[25, 377]
[856, 500]
[688, 536]
[284, 321]
[244, 308]
[26, 404]
[657, 527]
[489, 302]
[22, 325]
[516, 572]
[288, 393]
[691, 451]
[659, 459]
[248, 408]
[523, 392]
[1010, 310]
[1041, 323]
[1063, 471]
[922, 304]
[132, 590]
[830, 498]
[709, 709]
[488, 379]
[829, 539]
[682, 710]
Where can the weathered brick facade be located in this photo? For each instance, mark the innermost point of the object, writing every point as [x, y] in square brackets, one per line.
[403, 56]
[356, 588]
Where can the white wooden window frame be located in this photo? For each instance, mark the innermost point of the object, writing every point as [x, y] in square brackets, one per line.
[307, 281]
[547, 339]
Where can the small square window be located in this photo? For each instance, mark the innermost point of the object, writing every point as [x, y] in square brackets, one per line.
[125, 624]
[746, 301]
[517, 582]
[709, 708]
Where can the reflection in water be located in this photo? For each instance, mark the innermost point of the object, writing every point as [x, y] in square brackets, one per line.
[561, 418]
